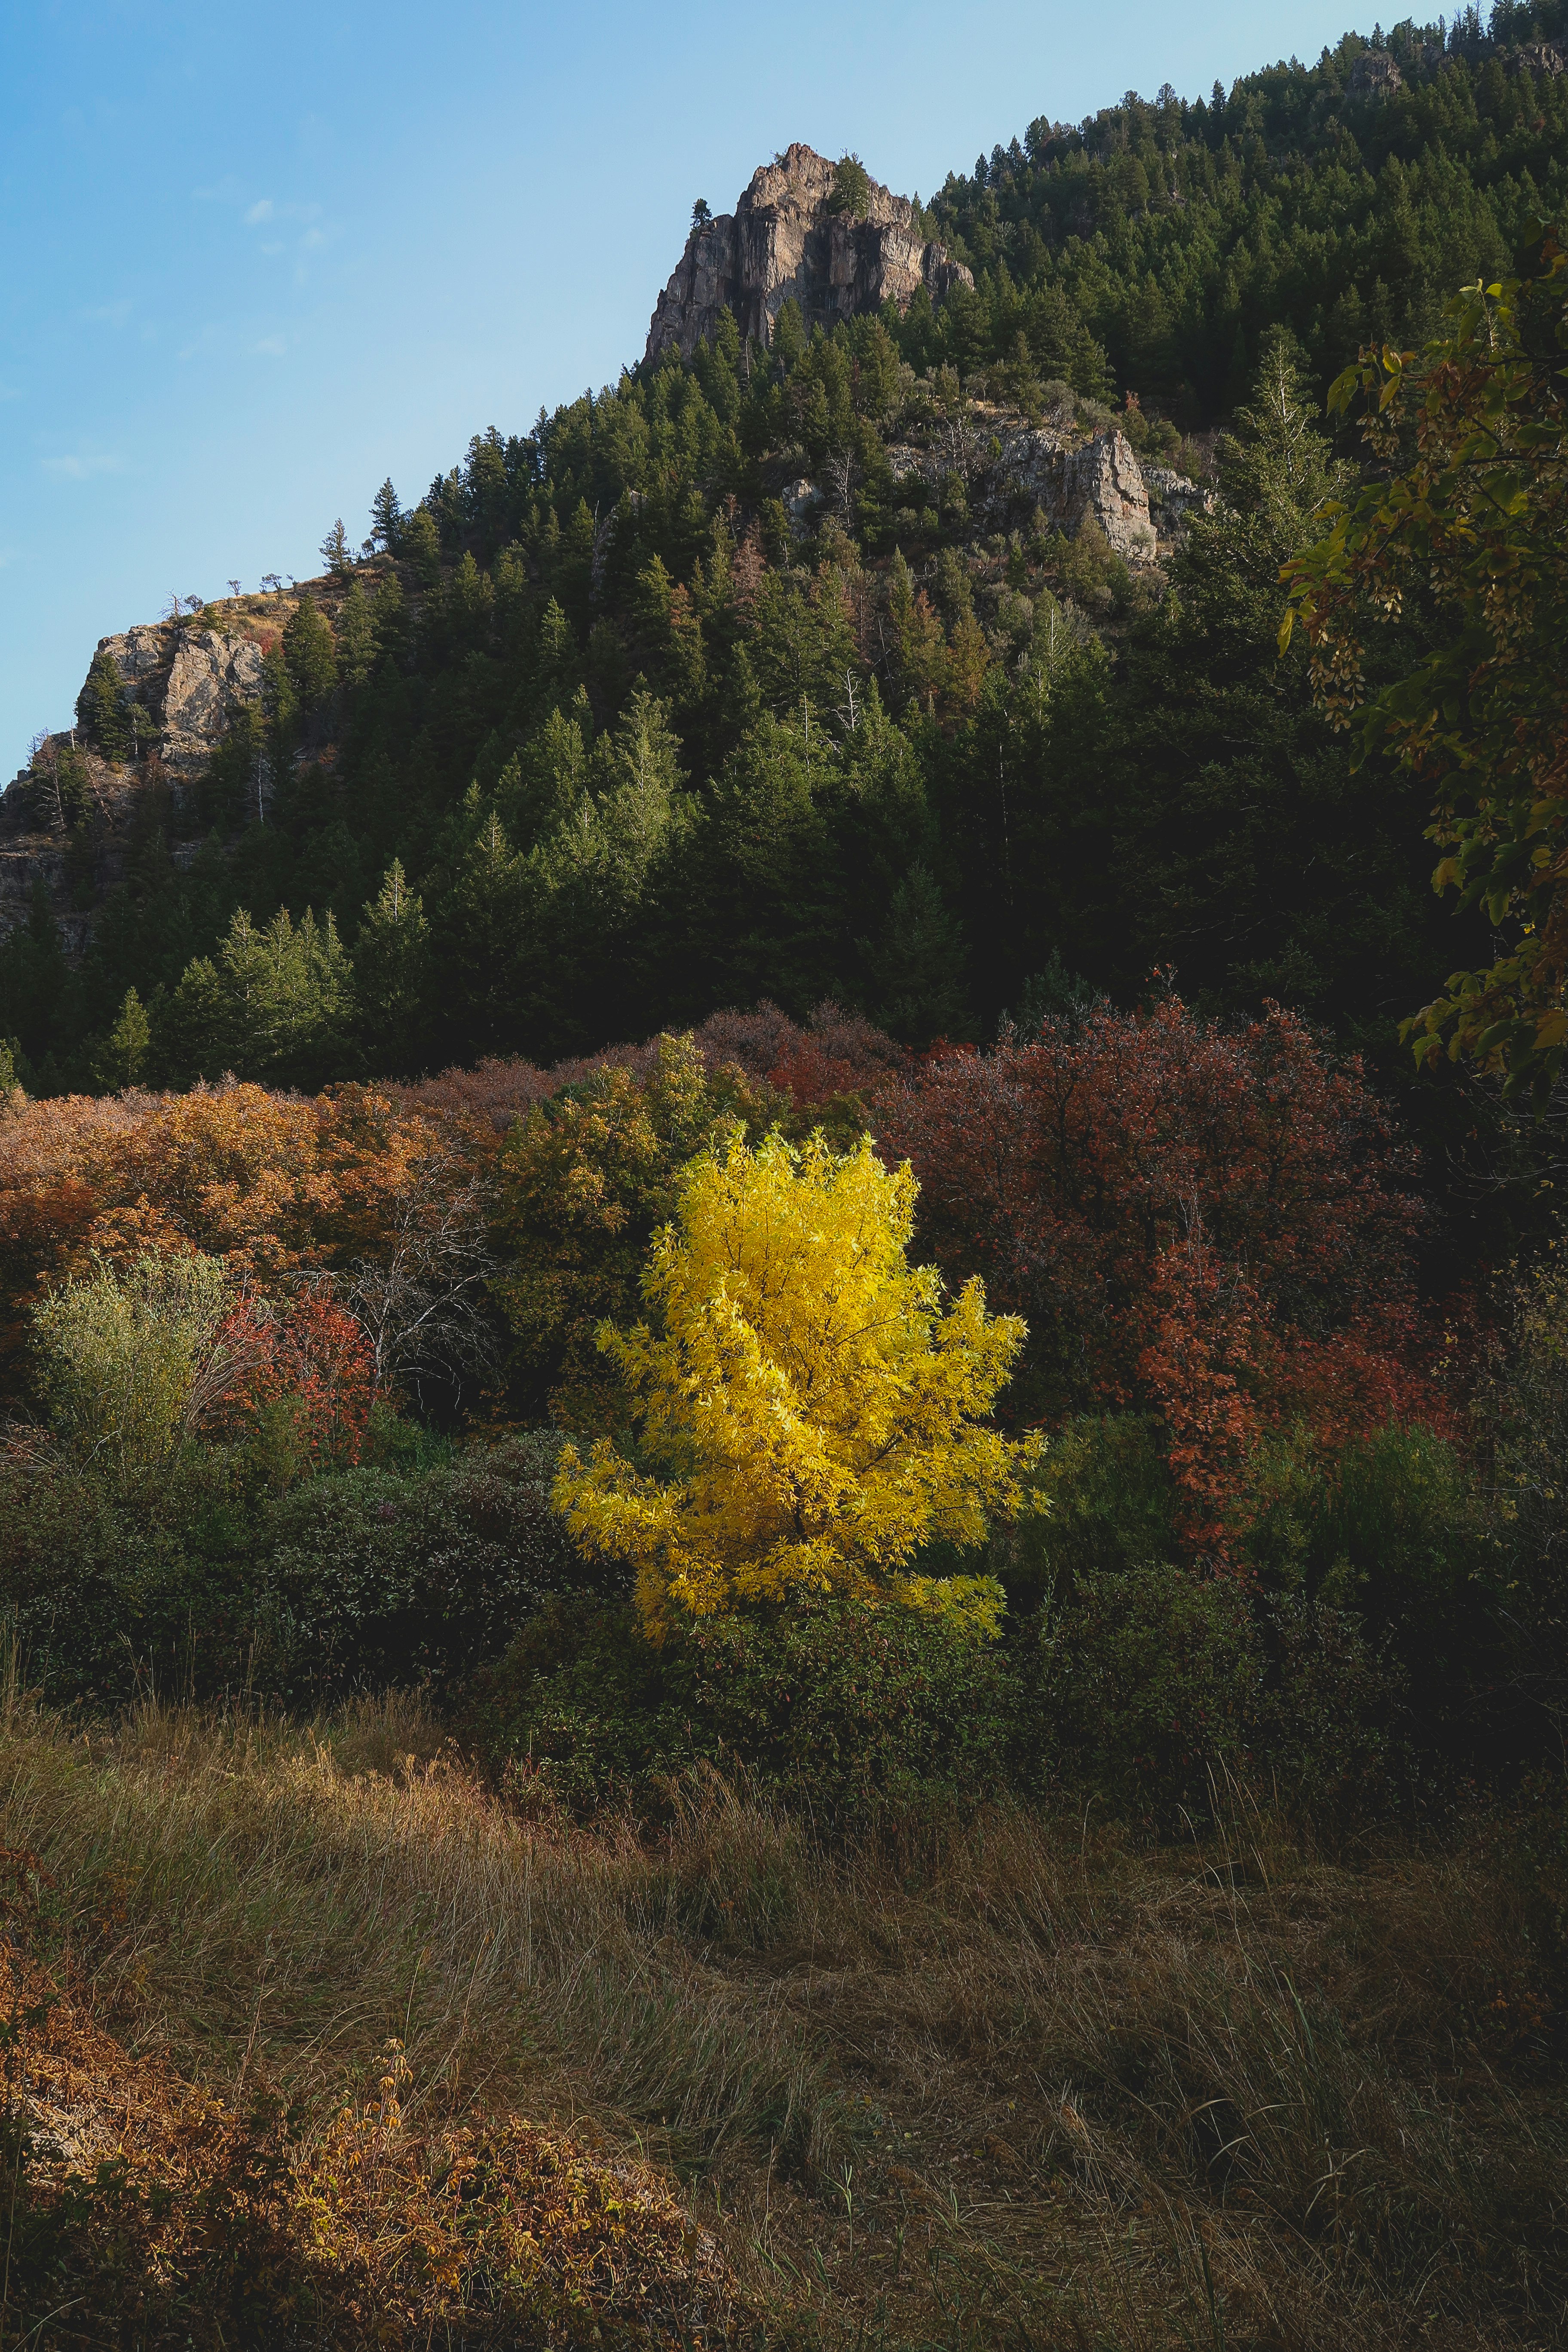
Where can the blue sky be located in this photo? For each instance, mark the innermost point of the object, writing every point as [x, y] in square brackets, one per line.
[254, 259]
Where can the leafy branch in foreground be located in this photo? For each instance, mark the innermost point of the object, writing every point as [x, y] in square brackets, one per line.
[1469, 511]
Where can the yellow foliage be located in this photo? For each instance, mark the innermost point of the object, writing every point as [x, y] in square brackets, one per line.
[810, 1414]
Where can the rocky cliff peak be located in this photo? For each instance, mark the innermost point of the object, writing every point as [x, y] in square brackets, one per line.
[784, 242]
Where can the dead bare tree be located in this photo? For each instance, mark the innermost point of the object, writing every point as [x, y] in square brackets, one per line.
[423, 1303]
[843, 472]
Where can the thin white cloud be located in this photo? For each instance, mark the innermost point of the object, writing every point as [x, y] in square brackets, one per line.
[106, 314]
[82, 465]
[271, 347]
[312, 239]
[262, 210]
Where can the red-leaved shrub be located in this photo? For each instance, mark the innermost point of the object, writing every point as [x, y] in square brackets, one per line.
[1211, 1225]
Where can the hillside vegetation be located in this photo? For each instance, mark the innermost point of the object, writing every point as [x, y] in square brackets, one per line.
[614, 727]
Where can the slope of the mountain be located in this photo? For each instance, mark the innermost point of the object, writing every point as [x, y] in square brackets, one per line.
[833, 649]
[1159, 240]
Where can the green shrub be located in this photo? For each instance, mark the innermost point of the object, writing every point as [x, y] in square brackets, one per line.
[1391, 1534]
[1144, 1677]
[1335, 1739]
[1142, 1682]
[355, 1577]
[369, 1576]
[1109, 1507]
[125, 1360]
[853, 1710]
[847, 1711]
[103, 1595]
[584, 1706]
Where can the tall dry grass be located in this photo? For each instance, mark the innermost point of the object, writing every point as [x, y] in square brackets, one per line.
[1011, 2082]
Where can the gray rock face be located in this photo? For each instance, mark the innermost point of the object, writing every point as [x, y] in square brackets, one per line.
[191, 691]
[1539, 57]
[185, 687]
[1100, 478]
[212, 675]
[1375, 75]
[782, 244]
[1172, 499]
[1103, 479]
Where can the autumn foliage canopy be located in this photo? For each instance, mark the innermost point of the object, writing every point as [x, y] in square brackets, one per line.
[811, 1414]
[1211, 1226]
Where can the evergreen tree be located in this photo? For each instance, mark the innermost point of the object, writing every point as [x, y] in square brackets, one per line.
[122, 1057]
[276, 1004]
[392, 976]
[335, 551]
[420, 541]
[356, 635]
[486, 930]
[390, 619]
[100, 709]
[385, 517]
[916, 965]
[308, 654]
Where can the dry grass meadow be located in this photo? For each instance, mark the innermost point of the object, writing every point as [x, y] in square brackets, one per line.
[1011, 2082]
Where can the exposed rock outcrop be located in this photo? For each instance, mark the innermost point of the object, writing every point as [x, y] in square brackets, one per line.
[782, 244]
[1103, 479]
[1172, 499]
[211, 674]
[185, 685]
[1099, 478]
[1141, 509]
[1375, 75]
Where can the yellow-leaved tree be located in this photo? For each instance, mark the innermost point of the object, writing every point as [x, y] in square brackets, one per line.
[807, 1414]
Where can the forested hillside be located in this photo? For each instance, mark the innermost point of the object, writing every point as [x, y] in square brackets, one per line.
[769, 674]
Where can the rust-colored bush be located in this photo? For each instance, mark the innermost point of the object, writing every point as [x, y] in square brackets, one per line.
[143, 2211]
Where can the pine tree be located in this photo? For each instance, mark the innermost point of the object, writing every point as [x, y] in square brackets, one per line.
[122, 1056]
[385, 517]
[335, 551]
[919, 656]
[100, 709]
[390, 616]
[277, 1005]
[198, 1036]
[420, 541]
[486, 929]
[308, 654]
[392, 975]
[356, 634]
[917, 964]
